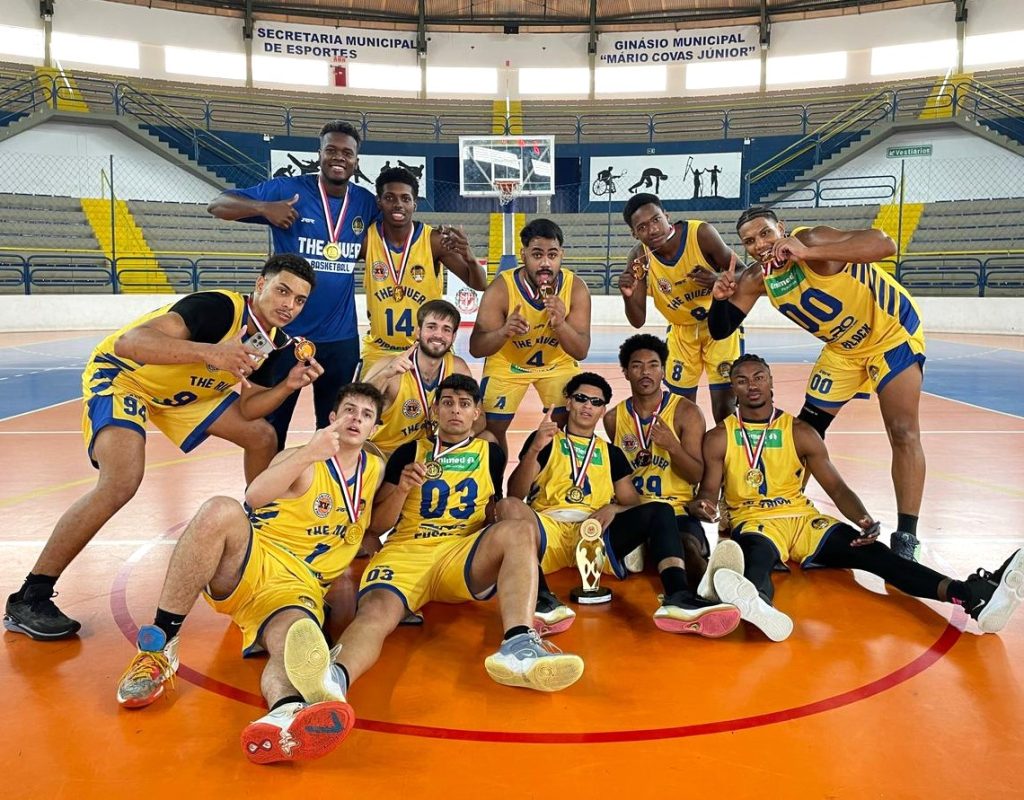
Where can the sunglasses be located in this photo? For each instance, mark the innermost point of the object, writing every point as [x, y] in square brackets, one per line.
[596, 402]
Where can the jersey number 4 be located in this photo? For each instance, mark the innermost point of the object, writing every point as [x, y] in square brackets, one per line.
[403, 325]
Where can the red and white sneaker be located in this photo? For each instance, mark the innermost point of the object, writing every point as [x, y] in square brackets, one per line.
[154, 665]
[297, 732]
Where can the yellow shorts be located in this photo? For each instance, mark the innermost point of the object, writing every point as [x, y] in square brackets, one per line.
[434, 570]
[796, 538]
[692, 351]
[558, 540]
[373, 351]
[272, 580]
[838, 378]
[505, 385]
[185, 425]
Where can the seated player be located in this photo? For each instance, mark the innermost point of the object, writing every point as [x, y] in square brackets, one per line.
[174, 367]
[661, 434]
[436, 494]
[409, 381]
[269, 570]
[572, 475]
[760, 455]
[533, 328]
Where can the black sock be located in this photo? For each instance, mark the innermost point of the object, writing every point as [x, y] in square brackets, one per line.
[348, 680]
[39, 580]
[674, 580]
[515, 630]
[957, 592]
[292, 698]
[906, 523]
[169, 623]
[542, 585]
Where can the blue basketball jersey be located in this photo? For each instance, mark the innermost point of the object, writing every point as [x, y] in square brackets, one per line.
[330, 313]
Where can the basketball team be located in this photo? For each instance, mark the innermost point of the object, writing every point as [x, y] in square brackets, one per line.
[407, 465]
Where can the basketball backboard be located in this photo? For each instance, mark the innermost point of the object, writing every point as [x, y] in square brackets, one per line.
[486, 159]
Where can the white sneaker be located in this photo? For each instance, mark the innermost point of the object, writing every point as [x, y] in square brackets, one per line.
[154, 664]
[726, 555]
[310, 665]
[551, 615]
[634, 560]
[297, 732]
[733, 588]
[528, 661]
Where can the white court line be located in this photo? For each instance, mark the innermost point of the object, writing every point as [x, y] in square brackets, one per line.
[42, 408]
[105, 543]
[972, 405]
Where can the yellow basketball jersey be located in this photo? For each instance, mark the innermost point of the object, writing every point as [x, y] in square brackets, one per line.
[454, 504]
[392, 320]
[657, 479]
[681, 300]
[404, 419]
[861, 311]
[539, 349]
[780, 493]
[553, 482]
[315, 527]
[162, 384]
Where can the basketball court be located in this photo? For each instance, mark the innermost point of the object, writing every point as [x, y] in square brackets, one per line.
[909, 698]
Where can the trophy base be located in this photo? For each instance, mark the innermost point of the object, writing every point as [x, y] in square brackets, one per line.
[594, 598]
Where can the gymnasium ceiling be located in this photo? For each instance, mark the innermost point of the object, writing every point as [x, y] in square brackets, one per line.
[534, 14]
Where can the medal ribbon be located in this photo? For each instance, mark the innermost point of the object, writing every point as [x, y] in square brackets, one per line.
[421, 388]
[579, 471]
[754, 456]
[396, 274]
[251, 314]
[333, 231]
[646, 439]
[438, 452]
[351, 501]
[531, 293]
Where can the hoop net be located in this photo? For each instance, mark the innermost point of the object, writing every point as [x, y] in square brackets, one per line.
[508, 190]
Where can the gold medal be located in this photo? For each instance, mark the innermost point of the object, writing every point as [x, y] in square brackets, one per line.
[434, 470]
[575, 495]
[399, 293]
[754, 478]
[332, 251]
[547, 290]
[429, 429]
[639, 270]
[643, 458]
[353, 534]
[304, 349]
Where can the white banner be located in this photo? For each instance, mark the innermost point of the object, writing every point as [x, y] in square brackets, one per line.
[684, 176]
[463, 297]
[319, 41]
[678, 47]
[297, 162]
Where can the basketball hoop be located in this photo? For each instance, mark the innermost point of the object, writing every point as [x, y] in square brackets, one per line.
[508, 190]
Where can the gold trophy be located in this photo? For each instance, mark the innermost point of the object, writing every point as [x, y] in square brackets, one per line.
[590, 560]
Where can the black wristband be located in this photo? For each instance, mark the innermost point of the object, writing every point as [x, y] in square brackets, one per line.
[724, 318]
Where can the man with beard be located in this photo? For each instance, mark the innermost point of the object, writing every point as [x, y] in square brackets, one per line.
[323, 218]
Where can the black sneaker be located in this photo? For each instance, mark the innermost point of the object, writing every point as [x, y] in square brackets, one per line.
[552, 615]
[996, 595]
[32, 612]
[905, 545]
[685, 612]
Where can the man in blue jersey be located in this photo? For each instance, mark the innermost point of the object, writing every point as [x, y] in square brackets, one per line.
[324, 219]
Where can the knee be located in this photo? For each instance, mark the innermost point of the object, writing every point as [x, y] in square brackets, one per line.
[117, 490]
[516, 534]
[903, 431]
[260, 436]
[512, 508]
[219, 512]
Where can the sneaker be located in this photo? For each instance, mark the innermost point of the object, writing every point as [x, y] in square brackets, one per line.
[683, 612]
[726, 555]
[309, 663]
[154, 665]
[552, 615]
[996, 595]
[412, 618]
[634, 560]
[528, 661]
[905, 545]
[297, 732]
[735, 589]
[32, 612]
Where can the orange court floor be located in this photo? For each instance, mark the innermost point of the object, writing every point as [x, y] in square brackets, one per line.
[876, 694]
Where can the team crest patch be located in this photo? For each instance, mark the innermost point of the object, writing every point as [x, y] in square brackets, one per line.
[418, 273]
[820, 523]
[874, 372]
[323, 505]
[723, 369]
[412, 408]
[467, 300]
[379, 271]
[357, 226]
[308, 602]
[665, 286]
[630, 443]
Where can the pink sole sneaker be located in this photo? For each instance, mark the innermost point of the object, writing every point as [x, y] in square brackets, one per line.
[712, 623]
[543, 629]
[313, 733]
